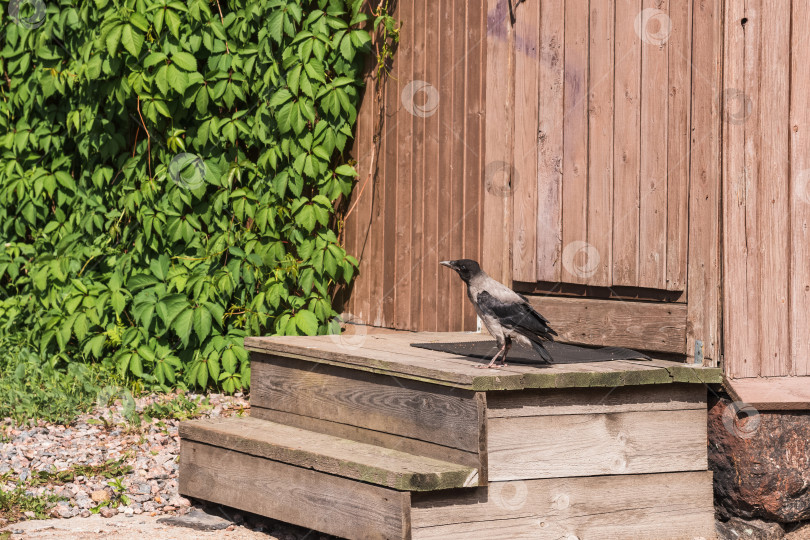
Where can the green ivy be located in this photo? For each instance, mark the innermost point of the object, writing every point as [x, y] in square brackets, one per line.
[171, 178]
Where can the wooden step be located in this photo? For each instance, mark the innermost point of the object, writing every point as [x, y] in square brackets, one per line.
[328, 454]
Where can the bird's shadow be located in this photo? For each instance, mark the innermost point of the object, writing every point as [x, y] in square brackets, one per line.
[561, 353]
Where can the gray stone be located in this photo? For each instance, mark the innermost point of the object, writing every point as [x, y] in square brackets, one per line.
[197, 520]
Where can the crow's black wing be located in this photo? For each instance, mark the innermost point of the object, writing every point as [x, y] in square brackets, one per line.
[517, 316]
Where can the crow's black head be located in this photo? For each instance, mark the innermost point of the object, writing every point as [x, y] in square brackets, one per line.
[466, 268]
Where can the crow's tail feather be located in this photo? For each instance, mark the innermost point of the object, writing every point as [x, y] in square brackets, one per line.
[539, 349]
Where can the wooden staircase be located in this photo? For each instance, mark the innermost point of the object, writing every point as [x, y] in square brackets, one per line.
[382, 440]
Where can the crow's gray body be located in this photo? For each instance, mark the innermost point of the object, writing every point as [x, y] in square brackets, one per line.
[507, 315]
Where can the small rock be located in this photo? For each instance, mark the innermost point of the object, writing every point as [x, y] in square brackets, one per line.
[108, 512]
[754, 529]
[129, 512]
[100, 496]
[177, 500]
[86, 513]
[197, 520]
[29, 514]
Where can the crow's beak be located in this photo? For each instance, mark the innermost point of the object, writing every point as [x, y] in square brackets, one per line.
[448, 264]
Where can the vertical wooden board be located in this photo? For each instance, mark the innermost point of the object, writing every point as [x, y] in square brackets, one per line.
[391, 243]
[499, 156]
[679, 88]
[600, 142]
[403, 272]
[475, 85]
[704, 185]
[526, 447]
[430, 166]
[454, 286]
[307, 498]
[524, 183]
[550, 134]
[642, 507]
[740, 351]
[363, 208]
[654, 115]
[418, 246]
[746, 114]
[773, 183]
[575, 145]
[627, 145]
[800, 195]
[444, 116]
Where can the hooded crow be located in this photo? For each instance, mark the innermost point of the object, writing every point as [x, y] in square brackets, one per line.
[506, 314]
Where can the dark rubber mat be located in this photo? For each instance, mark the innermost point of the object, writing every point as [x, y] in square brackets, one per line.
[562, 353]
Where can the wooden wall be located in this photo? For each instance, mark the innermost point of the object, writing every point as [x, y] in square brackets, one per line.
[602, 135]
[766, 195]
[606, 114]
[422, 203]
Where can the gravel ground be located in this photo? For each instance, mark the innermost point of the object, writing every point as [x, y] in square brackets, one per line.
[150, 449]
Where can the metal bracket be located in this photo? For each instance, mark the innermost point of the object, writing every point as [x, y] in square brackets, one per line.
[698, 351]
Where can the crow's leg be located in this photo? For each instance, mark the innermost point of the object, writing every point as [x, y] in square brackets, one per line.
[501, 351]
[507, 346]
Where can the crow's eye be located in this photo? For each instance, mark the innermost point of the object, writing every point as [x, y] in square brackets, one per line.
[463, 267]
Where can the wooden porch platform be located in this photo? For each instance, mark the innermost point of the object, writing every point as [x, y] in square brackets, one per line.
[368, 437]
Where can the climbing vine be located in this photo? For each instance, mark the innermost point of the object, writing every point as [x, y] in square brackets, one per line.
[171, 176]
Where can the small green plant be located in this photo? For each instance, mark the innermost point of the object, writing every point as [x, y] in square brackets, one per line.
[110, 469]
[17, 501]
[178, 408]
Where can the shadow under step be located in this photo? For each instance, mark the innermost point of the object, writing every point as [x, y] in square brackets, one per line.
[328, 454]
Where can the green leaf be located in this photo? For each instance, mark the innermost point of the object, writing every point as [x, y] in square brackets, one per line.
[182, 325]
[306, 322]
[132, 40]
[185, 61]
[202, 322]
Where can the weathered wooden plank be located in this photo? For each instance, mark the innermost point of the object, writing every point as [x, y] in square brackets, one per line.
[644, 507]
[443, 179]
[411, 409]
[740, 351]
[596, 444]
[387, 355]
[773, 183]
[475, 86]
[600, 142]
[370, 436]
[323, 502]
[704, 185]
[575, 144]
[418, 245]
[680, 84]
[643, 325]
[364, 462]
[524, 185]
[431, 193]
[800, 197]
[654, 114]
[404, 59]
[772, 393]
[454, 234]
[391, 209]
[550, 133]
[666, 397]
[499, 143]
[627, 145]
